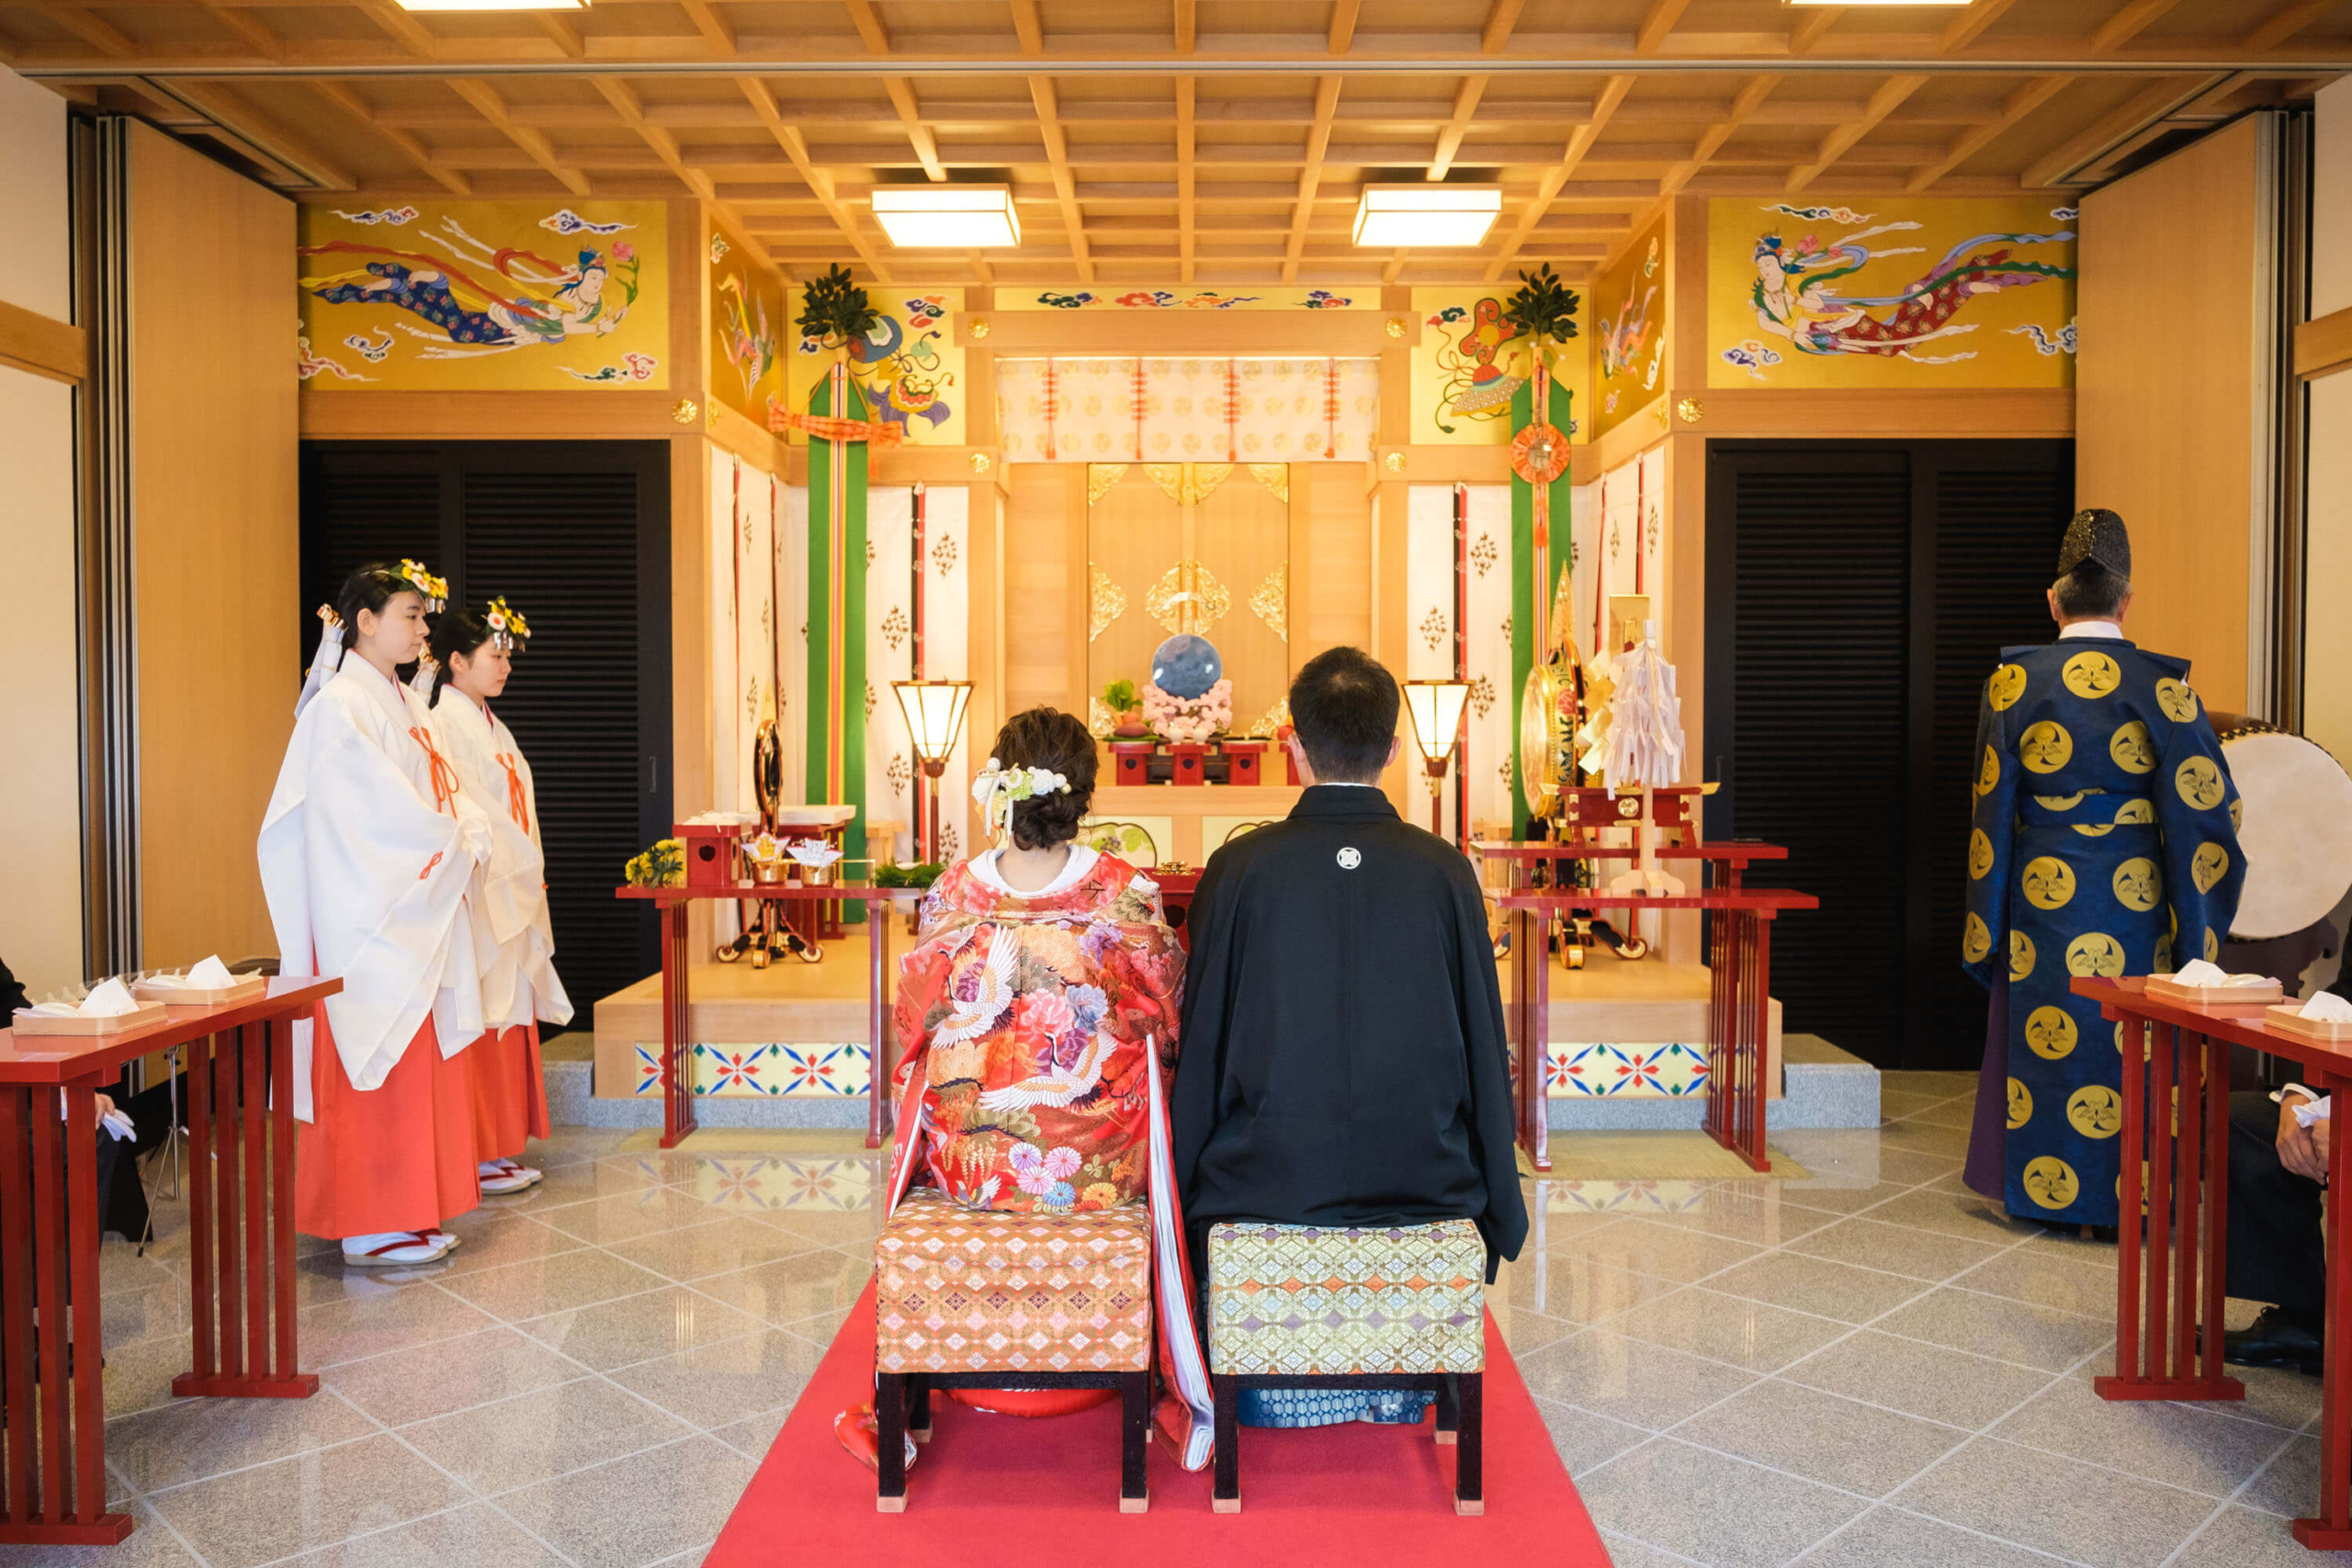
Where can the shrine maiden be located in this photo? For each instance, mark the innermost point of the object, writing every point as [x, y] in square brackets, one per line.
[475, 651]
[2105, 843]
[369, 853]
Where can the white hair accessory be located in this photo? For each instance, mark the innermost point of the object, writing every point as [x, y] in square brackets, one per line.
[996, 787]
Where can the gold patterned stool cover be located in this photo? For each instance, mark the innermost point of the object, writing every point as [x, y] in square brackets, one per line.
[1382, 1307]
[977, 1298]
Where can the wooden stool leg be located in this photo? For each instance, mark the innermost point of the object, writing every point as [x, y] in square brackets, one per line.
[1134, 1441]
[890, 1434]
[1449, 1409]
[918, 1408]
[1224, 1494]
[1469, 1481]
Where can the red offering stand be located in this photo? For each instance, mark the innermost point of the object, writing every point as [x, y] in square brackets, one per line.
[678, 1039]
[2167, 1312]
[240, 1241]
[1739, 926]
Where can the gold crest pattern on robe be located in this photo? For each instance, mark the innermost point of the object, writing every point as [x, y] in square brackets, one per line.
[2104, 844]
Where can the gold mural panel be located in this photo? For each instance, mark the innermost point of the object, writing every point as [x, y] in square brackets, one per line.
[1970, 291]
[484, 296]
[909, 367]
[1470, 362]
[747, 328]
[1627, 317]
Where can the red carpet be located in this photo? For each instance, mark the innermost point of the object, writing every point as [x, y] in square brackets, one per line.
[992, 1489]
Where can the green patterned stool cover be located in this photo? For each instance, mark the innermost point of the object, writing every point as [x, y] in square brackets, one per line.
[1295, 1300]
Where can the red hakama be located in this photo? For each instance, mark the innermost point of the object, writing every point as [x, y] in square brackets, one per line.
[396, 1158]
[509, 1091]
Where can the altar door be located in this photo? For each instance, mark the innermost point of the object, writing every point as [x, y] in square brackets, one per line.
[1200, 548]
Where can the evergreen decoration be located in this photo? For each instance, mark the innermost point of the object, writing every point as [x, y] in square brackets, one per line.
[1542, 306]
[836, 309]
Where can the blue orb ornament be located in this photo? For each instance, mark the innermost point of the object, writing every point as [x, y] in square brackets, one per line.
[1186, 666]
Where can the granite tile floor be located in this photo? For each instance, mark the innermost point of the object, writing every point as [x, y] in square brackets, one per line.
[1867, 1366]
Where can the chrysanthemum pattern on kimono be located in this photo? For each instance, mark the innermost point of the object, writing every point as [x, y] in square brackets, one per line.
[1022, 1021]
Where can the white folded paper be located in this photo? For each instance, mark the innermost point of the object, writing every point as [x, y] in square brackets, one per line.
[107, 999]
[2310, 1110]
[723, 818]
[2197, 971]
[2327, 1007]
[210, 974]
[812, 852]
[117, 1123]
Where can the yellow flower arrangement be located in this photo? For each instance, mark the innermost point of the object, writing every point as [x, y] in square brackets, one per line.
[663, 865]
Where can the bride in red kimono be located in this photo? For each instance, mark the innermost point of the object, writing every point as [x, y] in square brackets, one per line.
[1038, 1018]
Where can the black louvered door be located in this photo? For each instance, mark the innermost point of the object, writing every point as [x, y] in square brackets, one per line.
[1857, 593]
[575, 535]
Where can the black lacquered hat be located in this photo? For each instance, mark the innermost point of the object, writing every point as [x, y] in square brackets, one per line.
[2098, 537]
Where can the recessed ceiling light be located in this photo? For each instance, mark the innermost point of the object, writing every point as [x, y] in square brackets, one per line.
[493, 4]
[1408, 217]
[947, 218]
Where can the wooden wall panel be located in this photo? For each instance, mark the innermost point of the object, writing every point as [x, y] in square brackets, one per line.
[214, 540]
[1337, 570]
[1042, 575]
[40, 789]
[2163, 418]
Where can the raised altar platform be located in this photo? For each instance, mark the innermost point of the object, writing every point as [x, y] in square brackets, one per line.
[785, 1047]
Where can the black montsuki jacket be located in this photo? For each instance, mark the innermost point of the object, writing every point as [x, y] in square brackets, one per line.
[1344, 1061]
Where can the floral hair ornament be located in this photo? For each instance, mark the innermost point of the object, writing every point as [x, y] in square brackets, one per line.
[434, 589]
[997, 787]
[507, 627]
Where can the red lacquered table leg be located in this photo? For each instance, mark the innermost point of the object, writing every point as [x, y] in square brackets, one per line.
[677, 1044]
[1758, 1042]
[228, 1050]
[88, 1381]
[253, 1181]
[2160, 1276]
[288, 1380]
[1530, 946]
[200, 1204]
[877, 1023]
[2331, 1530]
[49, 1227]
[2217, 1212]
[16, 1300]
[1538, 1049]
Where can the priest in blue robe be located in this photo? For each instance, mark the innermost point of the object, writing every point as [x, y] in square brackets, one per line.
[2104, 842]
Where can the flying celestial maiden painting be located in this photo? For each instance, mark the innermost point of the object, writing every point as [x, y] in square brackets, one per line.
[1898, 293]
[484, 296]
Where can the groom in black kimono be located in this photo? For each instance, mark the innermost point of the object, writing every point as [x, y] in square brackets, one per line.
[1344, 1061]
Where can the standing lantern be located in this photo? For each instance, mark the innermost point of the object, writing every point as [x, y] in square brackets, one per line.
[1436, 707]
[935, 714]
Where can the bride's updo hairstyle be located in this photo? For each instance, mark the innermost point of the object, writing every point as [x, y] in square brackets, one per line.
[1049, 739]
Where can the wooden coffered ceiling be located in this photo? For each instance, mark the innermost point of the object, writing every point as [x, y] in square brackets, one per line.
[1192, 140]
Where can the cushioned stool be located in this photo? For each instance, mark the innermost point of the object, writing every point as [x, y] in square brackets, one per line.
[972, 1298]
[1389, 1307]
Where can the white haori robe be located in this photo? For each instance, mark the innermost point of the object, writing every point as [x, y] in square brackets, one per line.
[520, 985]
[366, 858]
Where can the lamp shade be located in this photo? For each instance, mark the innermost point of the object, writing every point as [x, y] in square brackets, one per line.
[1400, 217]
[950, 217]
[1436, 707]
[934, 714]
